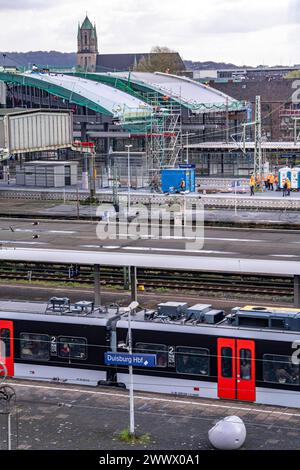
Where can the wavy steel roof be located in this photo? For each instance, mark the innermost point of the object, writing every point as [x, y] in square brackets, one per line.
[197, 97]
[94, 95]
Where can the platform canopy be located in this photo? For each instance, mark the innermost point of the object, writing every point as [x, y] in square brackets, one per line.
[84, 92]
[158, 261]
[188, 93]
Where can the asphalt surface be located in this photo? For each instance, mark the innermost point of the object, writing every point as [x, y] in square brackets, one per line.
[217, 242]
[58, 417]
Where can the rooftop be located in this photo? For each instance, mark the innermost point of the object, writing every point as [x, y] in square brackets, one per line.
[103, 98]
[195, 96]
[16, 111]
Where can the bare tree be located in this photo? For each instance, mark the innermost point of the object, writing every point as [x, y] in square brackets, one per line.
[160, 59]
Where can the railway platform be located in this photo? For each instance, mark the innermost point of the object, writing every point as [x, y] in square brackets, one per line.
[242, 216]
[270, 200]
[55, 416]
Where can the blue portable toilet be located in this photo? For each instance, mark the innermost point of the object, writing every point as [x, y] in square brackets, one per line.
[171, 179]
[284, 173]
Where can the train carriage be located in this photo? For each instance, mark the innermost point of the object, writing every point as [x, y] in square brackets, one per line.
[250, 355]
[59, 343]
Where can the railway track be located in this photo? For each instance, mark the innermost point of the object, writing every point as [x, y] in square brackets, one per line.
[152, 279]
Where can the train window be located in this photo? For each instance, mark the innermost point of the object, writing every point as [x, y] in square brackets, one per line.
[72, 348]
[193, 361]
[277, 323]
[5, 340]
[34, 347]
[279, 369]
[226, 363]
[159, 349]
[245, 364]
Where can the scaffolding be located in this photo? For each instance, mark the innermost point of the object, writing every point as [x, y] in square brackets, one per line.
[164, 135]
[162, 132]
[258, 157]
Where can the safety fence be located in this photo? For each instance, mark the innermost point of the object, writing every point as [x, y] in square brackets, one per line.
[209, 201]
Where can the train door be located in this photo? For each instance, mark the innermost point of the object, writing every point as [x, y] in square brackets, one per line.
[6, 348]
[236, 369]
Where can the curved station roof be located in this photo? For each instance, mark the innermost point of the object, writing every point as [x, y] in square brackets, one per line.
[84, 92]
[124, 95]
[195, 96]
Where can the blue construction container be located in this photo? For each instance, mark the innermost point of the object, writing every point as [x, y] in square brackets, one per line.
[172, 178]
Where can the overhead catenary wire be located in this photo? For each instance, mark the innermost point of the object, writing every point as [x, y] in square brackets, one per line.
[233, 128]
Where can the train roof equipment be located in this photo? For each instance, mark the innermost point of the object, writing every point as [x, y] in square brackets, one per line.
[250, 317]
[61, 310]
[278, 318]
[179, 313]
[172, 310]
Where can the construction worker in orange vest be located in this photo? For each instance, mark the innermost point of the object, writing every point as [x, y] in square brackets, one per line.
[272, 180]
[263, 181]
[252, 185]
[268, 182]
[288, 186]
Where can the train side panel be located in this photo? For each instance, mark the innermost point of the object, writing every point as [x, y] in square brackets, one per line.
[60, 352]
[258, 370]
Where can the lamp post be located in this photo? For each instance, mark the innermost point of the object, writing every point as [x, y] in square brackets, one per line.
[130, 308]
[129, 175]
[93, 175]
[187, 135]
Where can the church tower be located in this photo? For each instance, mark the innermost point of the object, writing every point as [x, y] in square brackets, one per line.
[87, 47]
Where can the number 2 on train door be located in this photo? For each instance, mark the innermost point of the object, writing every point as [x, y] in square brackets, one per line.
[236, 369]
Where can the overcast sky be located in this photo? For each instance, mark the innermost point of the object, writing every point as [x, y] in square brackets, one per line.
[249, 32]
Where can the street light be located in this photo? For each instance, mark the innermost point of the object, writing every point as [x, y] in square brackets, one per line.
[129, 309]
[129, 175]
[187, 135]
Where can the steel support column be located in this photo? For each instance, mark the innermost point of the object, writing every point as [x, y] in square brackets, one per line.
[133, 282]
[297, 291]
[126, 278]
[97, 285]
